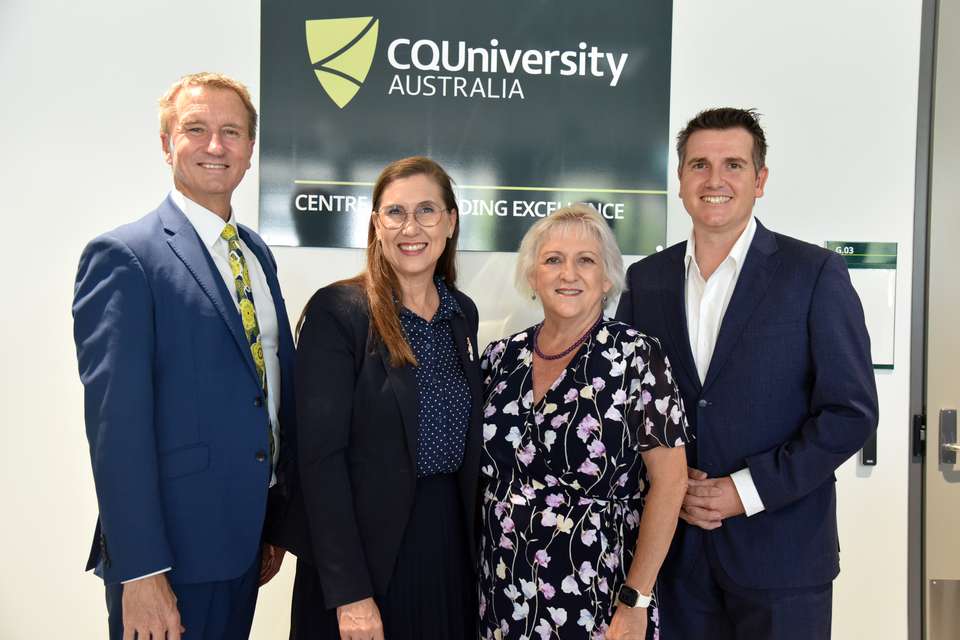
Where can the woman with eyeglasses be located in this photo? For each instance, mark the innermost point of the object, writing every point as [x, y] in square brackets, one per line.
[389, 434]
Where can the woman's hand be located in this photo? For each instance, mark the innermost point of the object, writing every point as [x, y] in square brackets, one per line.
[360, 620]
[628, 623]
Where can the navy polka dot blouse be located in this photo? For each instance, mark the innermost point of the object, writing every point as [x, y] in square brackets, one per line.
[442, 391]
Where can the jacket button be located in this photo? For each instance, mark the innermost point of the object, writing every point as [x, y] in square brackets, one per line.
[702, 403]
[261, 456]
[258, 401]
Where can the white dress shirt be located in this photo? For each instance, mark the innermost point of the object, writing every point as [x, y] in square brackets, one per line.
[209, 226]
[706, 302]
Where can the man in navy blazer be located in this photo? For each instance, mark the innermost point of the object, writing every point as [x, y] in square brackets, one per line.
[767, 340]
[182, 412]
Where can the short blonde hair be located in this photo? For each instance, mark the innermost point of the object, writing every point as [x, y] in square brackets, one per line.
[580, 216]
[168, 102]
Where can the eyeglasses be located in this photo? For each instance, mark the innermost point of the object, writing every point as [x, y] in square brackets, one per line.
[393, 216]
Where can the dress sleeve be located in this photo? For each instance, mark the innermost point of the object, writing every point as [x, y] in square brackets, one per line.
[488, 364]
[655, 409]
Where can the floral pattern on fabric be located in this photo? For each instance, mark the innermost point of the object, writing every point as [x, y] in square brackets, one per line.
[565, 482]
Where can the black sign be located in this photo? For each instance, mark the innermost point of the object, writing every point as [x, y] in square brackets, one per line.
[528, 105]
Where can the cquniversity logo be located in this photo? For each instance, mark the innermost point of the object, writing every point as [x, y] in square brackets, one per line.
[341, 51]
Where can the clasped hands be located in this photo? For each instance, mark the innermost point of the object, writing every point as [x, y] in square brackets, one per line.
[709, 501]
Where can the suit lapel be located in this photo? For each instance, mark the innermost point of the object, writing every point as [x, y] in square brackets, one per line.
[468, 357]
[404, 385]
[469, 360]
[284, 336]
[468, 475]
[273, 283]
[266, 264]
[758, 270]
[187, 246]
[675, 316]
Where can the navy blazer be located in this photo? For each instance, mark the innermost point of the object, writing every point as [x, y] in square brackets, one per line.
[358, 424]
[174, 412]
[789, 393]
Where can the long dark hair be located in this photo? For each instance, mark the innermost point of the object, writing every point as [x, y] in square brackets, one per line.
[379, 280]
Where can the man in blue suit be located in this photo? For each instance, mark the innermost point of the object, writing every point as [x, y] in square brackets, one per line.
[768, 345]
[186, 356]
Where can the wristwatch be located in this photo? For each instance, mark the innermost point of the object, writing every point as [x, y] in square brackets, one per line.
[633, 598]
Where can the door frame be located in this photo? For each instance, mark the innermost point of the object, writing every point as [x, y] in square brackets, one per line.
[916, 579]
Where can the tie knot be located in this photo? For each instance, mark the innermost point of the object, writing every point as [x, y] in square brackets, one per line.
[229, 233]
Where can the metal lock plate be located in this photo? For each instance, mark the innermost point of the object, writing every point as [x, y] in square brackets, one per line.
[948, 436]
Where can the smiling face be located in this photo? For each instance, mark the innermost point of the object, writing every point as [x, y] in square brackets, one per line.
[208, 144]
[568, 276]
[413, 250]
[718, 180]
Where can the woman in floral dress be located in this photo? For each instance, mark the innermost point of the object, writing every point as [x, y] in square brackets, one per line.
[583, 463]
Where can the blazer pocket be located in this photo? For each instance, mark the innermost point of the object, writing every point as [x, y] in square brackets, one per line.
[776, 328]
[184, 461]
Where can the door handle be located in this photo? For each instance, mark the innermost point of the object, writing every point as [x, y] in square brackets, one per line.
[949, 447]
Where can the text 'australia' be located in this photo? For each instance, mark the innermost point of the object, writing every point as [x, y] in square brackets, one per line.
[500, 67]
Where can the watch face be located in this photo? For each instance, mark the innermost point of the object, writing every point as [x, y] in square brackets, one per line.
[628, 596]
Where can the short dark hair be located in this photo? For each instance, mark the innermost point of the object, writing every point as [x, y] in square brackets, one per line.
[727, 118]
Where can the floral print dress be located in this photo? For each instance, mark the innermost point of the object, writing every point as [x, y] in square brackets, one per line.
[565, 483]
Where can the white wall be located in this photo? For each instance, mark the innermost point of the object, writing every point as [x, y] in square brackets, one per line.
[837, 84]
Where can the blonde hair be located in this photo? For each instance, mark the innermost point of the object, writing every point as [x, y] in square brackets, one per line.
[578, 216]
[168, 102]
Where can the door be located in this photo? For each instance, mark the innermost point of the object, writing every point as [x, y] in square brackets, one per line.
[941, 561]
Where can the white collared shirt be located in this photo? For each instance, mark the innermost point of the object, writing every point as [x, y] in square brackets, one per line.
[706, 304]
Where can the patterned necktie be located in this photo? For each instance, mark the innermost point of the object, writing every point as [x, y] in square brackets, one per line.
[248, 312]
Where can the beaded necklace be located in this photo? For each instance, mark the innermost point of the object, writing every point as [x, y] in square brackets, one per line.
[580, 340]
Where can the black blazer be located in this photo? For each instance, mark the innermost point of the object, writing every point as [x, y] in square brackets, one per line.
[357, 446]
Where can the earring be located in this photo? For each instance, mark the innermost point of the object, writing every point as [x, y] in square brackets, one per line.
[533, 296]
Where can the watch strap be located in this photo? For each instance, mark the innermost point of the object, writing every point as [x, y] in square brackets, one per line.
[633, 598]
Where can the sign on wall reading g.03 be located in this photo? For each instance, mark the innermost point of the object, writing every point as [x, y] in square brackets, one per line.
[528, 105]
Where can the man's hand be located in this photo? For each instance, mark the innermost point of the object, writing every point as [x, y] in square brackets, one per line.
[628, 624]
[709, 500]
[150, 610]
[360, 620]
[270, 560]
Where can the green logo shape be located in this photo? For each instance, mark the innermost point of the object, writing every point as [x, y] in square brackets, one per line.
[341, 51]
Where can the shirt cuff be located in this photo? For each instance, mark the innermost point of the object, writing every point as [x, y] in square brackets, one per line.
[747, 490]
[155, 573]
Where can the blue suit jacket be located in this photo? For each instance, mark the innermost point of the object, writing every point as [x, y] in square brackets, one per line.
[174, 412]
[789, 393]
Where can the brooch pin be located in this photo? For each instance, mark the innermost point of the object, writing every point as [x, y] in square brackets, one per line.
[469, 349]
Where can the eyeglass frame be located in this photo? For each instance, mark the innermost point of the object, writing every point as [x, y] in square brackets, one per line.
[406, 216]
